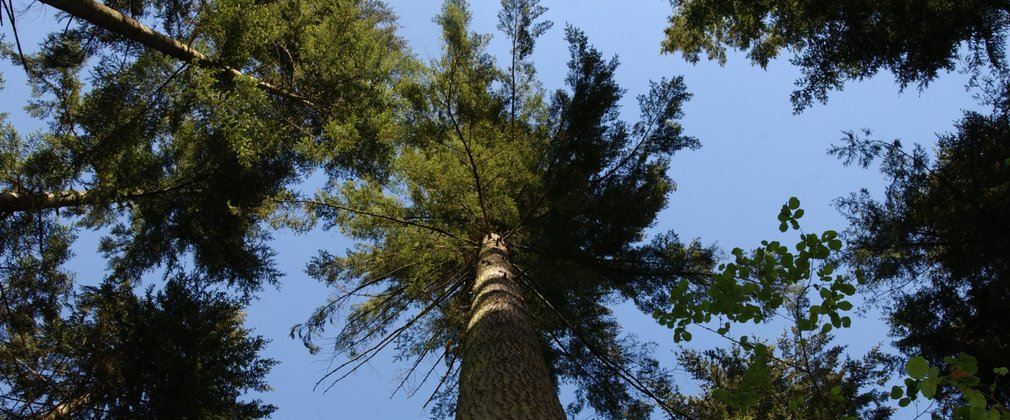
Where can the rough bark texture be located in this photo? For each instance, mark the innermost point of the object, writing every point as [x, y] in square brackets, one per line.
[112, 20]
[503, 374]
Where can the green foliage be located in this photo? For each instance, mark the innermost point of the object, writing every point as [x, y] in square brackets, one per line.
[748, 391]
[34, 286]
[942, 227]
[178, 353]
[753, 288]
[835, 42]
[168, 143]
[181, 165]
[797, 378]
[755, 285]
[977, 401]
[569, 186]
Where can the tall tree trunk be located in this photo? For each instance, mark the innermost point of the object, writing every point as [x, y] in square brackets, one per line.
[503, 375]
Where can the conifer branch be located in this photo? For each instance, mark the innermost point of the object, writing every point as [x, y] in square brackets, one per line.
[466, 147]
[451, 373]
[394, 308]
[383, 217]
[638, 145]
[9, 6]
[14, 201]
[64, 409]
[376, 280]
[112, 20]
[623, 266]
[383, 305]
[417, 362]
[916, 161]
[371, 352]
[450, 362]
[630, 378]
[741, 344]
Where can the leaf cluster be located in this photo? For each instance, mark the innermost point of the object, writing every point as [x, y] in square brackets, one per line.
[960, 376]
[756, 285]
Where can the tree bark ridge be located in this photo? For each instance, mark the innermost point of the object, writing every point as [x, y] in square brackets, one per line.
[503, 373]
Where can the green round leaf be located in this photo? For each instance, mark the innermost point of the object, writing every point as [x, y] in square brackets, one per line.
[975, 399]
[917, 367]
[794, 203]
[928, 388]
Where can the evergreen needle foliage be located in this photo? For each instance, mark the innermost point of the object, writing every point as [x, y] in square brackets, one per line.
[835, 42]
[179, 161]
[569, 187]
[938, 242]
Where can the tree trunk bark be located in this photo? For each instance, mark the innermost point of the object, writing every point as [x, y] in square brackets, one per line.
[503, 373]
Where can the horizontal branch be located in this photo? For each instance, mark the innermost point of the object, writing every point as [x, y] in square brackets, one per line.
[11, 201]
[63, 410]
[404, 222]
[112, 20]
[21, 201]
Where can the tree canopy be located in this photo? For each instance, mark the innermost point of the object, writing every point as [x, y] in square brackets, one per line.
[938, 241]
[809, 380]
[178, 161]
[567, 185]
[834, 42]
[491, 215]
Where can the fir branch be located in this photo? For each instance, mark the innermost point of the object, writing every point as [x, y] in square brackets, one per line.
[379, 216]
[630, 378]
[114, 21]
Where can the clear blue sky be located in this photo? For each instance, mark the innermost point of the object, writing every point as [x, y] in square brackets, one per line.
[755, 155]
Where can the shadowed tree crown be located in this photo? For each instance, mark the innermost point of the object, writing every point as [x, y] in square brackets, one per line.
[174, 140]
[938, 242]
[835, 42]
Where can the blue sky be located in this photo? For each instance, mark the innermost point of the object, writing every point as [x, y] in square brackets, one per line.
[755, 155]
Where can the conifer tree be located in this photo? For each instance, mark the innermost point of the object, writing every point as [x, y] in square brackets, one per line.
[174, 139]
[938, 242]
[510, 222]
[836, 42]
[799, 384]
